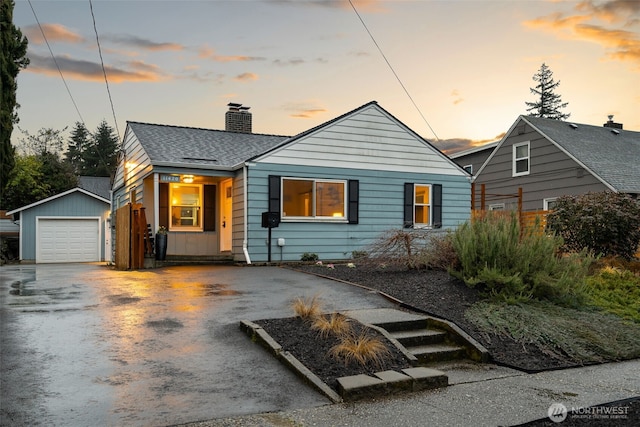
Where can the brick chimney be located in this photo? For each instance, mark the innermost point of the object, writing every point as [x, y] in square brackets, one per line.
[611, 124]
[237, 118]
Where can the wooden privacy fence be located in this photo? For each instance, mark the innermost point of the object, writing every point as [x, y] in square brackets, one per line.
[133, 239]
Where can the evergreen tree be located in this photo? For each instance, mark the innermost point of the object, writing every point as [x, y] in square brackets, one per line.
[77, 145]
[100, 157]
[549, 103]
[13, 48]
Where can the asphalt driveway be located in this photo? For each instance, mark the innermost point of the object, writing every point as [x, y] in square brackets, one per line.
[85, 345]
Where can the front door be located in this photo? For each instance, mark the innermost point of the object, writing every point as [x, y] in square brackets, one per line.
[227, 215]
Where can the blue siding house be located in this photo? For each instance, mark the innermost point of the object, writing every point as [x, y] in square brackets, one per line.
[330, 190]
[72, 226]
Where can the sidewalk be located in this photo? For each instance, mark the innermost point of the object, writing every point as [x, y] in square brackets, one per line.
[479, 395]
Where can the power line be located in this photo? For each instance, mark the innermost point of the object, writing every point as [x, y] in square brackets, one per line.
[106, 82]
[56, 62]
[393, 71]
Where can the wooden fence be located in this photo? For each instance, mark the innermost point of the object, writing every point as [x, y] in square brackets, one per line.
[133, 240]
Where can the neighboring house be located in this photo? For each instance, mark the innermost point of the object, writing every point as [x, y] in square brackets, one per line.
[334, 189]
[72, 226]
[473, 158]
[552, 158]
[9, 236]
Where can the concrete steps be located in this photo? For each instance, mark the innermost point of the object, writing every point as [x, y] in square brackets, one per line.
[424, 339]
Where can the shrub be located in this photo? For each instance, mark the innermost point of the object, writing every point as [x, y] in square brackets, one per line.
[514, 264]
[413, 249]
[307, 308]
[362, 349]
[605, 223]
[308, 256]
[336, 324]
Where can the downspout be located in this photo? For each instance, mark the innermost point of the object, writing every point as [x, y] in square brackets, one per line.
[245, 225]
[156, 201]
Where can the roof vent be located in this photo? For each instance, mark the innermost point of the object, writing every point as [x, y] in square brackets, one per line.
[573, 125]
[615, 131]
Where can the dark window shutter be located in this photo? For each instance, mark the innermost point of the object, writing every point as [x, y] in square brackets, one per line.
[353, 197]
[163, 203]
[408, 205]
[209, 208]
[437, 205]
[274, 193]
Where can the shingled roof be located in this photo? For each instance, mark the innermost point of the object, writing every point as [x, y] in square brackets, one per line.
[186, 146]
[613, 155]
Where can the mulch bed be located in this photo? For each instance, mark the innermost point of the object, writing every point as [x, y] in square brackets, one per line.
[438, 294]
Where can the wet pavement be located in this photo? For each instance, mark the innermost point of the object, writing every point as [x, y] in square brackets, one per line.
[85, 345]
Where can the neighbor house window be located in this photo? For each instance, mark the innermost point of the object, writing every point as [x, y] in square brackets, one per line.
[549, 203]
[496, 207]
[521, 159]
[313, 199]
[468, 168]
[186, 207]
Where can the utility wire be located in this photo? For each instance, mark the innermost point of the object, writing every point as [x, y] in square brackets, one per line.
[393, 71]
[106, 82]
[56, 62]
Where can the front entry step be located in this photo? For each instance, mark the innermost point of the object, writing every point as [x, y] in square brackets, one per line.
[424, 339]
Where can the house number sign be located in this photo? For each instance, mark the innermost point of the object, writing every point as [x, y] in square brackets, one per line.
[169, 178]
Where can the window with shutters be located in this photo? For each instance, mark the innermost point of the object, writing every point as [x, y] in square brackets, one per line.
[422, 205]
[313, 199]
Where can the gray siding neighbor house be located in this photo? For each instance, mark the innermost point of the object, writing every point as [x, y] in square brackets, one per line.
[472, 159]
[552, 158]
[72, 226]
[331, 190]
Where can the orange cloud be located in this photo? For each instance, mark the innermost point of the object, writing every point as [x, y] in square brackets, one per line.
[53, 33]
[457, 98]
[92, 71]
[620, 44]
[206, 52]
[304, 110]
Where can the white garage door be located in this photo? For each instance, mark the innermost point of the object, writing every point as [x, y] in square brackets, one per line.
[68, 240]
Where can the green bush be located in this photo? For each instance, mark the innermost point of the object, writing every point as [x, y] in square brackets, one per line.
[605, 223]
[308, 256]
[515, 265]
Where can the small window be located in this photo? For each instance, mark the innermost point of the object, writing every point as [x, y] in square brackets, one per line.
[186, 204]
[422, 205]
[496, 207]
[521, 159]
[549, 204]
[313, 199]
[468, 168]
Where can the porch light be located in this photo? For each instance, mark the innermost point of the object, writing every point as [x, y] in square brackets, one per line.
[187, 179]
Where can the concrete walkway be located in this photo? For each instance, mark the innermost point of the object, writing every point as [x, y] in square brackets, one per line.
[479, 395]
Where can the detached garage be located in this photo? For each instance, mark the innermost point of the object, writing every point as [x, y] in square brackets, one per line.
[69, 227]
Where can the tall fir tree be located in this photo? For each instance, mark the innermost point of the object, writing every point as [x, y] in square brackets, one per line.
[549, 103]
[13, 50]
[78, 143]
[100, 157]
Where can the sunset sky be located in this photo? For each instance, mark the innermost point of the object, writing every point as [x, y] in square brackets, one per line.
[466, 65]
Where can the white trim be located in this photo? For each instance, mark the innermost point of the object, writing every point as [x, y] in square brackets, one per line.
[515, 159]
[49, 217]
[48, 199]
[545, 202]
[474, 150]
[314, 217]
